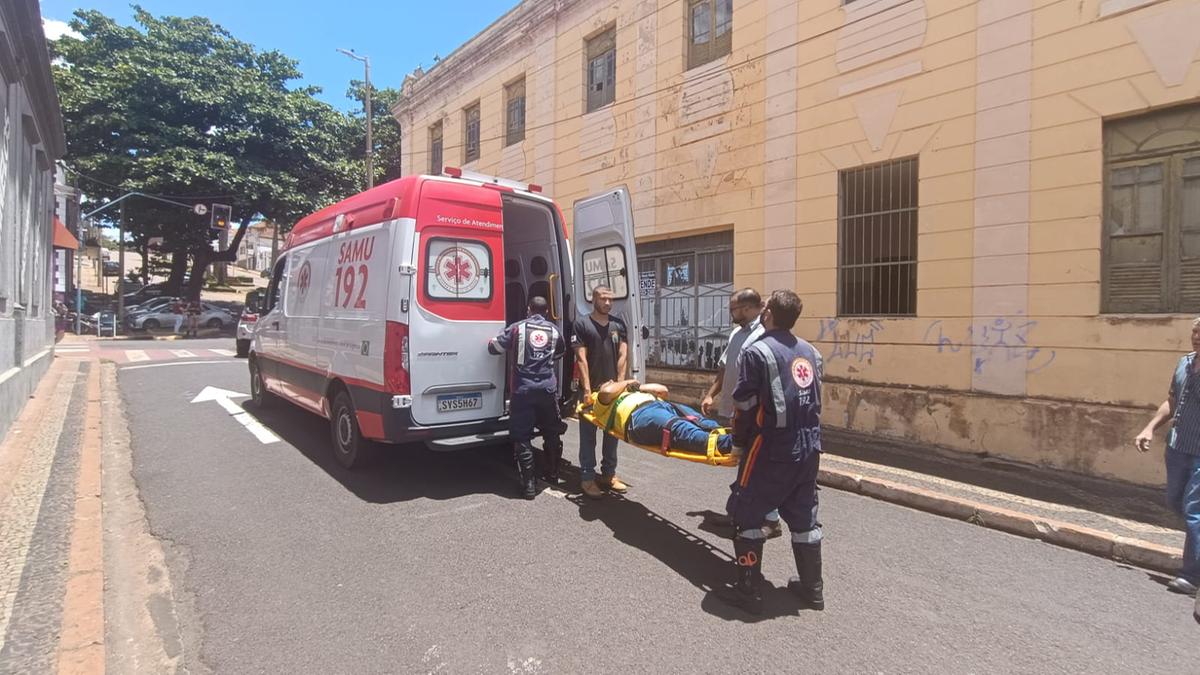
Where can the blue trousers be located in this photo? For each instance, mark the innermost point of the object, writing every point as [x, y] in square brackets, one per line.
[790, 487]
[647, 423]
[587, 452]
[1183, 497]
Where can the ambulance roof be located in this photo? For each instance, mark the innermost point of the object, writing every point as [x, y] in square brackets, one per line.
[394, 199]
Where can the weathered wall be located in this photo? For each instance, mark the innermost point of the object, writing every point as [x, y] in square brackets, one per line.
[1003, 104]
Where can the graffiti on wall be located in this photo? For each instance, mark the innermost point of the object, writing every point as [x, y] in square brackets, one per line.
[851, 340]
[995, 343]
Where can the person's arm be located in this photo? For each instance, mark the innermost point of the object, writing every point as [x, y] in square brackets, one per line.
[609, 391]
[622, 350]
[585, 379]
[746, 399]
[713, 391]
[502, 342]
[560, 345]
[1165, 412]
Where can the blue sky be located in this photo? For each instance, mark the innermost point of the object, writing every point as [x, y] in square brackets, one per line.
[397, 35]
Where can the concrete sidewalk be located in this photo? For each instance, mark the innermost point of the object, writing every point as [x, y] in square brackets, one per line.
[1108, 518]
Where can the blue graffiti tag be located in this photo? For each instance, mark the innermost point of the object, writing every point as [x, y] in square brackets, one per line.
[999, 340]
[854, 341]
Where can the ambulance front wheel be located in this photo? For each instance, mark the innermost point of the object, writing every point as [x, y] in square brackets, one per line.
[349, 447]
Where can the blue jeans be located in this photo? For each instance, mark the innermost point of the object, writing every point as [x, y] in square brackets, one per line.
[587, 452]
[1183, 497]
[646, 425]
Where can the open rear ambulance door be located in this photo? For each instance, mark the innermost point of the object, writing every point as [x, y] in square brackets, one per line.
[604, 255]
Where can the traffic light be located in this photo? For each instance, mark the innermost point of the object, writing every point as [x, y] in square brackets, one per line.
[221, 214]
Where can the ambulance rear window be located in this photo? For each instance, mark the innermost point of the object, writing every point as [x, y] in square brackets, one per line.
[458, 269]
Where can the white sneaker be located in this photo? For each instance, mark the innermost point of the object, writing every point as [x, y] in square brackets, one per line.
[1181, 586]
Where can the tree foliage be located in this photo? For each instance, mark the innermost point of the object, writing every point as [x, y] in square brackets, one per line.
[385, 131]
[178, 106]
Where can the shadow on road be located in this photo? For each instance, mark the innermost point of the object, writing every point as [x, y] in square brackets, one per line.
[400, 472]
[703, 565]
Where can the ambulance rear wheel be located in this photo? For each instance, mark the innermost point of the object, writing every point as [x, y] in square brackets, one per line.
[350, 449]
[258, 390]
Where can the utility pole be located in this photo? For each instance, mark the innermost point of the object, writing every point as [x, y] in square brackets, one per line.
[366, 61]
[121, 264]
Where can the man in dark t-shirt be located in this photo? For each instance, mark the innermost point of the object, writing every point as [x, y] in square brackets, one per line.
[601, 344]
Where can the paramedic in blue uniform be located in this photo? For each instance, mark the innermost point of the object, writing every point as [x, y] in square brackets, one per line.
[778, 427]
[535, 344]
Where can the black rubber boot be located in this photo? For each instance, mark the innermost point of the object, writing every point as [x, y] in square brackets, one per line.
[552, 456]
[746, 590]
[525, 469]
[808, 587]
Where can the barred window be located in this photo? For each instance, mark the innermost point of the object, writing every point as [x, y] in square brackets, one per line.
[1152, 212]
[435, 148]
[471, 133]
[877, 239]
[710, 29]
[514, 112]
[602, 69]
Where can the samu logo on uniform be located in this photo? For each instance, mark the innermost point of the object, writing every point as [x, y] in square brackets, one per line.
[539, 338]
[802, 372]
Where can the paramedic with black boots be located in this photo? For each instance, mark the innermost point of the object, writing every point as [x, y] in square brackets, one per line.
[601, 348]
[778, 427]
[535, 343]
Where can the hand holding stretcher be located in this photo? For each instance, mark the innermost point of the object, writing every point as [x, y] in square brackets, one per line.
[640, 415]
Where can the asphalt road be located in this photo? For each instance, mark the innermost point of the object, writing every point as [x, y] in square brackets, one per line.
[426, 563]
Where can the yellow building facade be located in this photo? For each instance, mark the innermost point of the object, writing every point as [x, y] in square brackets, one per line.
[991, 208]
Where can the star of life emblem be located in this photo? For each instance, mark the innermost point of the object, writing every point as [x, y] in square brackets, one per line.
[802, 372]
[539, 338]
[457, 270]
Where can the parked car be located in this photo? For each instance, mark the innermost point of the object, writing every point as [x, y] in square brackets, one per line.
[211, 316]
[112, 268]
[245, 328]
[144, 293]
[151, 304]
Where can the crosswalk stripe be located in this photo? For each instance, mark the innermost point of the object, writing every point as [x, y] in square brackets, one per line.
[136, 355]
[222, 352]
[182, 353]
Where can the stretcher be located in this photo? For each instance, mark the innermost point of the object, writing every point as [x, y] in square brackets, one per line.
[711, 456]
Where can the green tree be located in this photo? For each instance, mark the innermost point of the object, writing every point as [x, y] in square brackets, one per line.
[385, 131]
[179, 107]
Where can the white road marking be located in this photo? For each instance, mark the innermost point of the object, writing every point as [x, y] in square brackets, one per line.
[182, 353]
[224, 398]
[180, 363]
[222, 352]
[135, 355]
[446, 512]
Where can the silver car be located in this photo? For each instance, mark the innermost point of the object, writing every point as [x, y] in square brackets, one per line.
[211, 316]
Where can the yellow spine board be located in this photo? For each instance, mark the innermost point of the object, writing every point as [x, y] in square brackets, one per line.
[711, 457]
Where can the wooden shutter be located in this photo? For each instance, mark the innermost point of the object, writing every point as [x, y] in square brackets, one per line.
[1189, 236]
[1135, 225]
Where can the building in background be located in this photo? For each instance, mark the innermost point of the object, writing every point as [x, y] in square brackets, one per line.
[990, 207]
[31, 140]
[256, 250]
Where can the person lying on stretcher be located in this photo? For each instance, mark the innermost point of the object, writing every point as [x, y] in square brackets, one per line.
[647, 418]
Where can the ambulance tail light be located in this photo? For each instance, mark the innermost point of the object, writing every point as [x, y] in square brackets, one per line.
[395, 359]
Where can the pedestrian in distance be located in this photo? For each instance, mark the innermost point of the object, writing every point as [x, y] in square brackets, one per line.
[193, 318]
[745, 307]
[601, 344]
[778, 427]
[533, 346]
[179, 309]
[1182, 409]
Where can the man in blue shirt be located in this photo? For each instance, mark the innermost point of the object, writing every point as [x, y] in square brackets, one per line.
[535, 343]
[1182, 408]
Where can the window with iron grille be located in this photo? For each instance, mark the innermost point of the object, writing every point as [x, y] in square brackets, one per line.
[710, 30]
[602, 69]
[514, 112]
[435, 148]
[1152, 212]
[684, 286]
[877, 239]
[471, 133]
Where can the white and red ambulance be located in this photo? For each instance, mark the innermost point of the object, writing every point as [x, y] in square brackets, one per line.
[380, 307]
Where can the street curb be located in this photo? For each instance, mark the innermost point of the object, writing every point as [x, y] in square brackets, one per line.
[1095, 542]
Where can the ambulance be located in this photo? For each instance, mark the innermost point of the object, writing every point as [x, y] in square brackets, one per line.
[380, 307]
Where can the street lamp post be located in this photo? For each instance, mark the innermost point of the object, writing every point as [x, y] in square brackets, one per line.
[366, 61]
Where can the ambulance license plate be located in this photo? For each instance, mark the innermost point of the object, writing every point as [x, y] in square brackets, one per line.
[458, 402]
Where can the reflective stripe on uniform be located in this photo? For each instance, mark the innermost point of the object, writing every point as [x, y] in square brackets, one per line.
[495, 344]
[756, 533]
[521, 328]
[810, 537]
[776, 384]
[748, 404]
